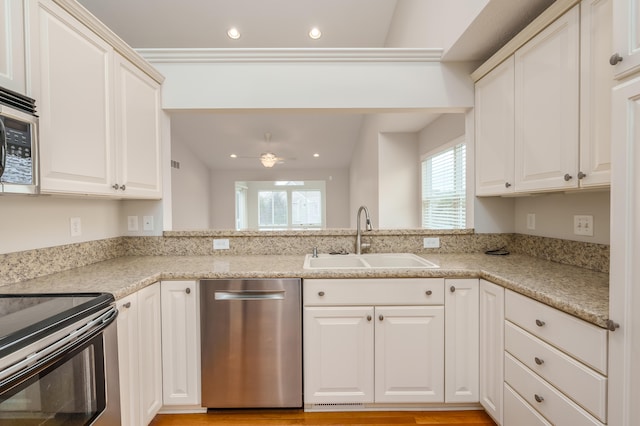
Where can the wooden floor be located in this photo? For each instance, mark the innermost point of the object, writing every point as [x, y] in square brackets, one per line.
[299, 417]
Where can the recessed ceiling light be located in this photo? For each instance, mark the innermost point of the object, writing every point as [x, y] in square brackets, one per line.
[233, 33]
[316, 155]
[233, 156]
[315, 33]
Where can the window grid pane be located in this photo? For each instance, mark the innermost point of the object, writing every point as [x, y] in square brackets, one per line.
[306, 208]
[272, 208]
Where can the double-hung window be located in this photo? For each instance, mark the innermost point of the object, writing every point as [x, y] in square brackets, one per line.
[444, 187]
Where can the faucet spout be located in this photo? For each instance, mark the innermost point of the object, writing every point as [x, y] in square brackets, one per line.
[368, 227]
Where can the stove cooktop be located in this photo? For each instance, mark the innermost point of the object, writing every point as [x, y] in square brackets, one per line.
[26, 318]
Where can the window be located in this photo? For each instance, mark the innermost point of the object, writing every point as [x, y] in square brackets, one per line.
[444, 188]
[272, 209]
[306, 208]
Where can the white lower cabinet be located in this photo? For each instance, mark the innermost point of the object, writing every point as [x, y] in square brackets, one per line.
[491, 349]
[373, 353]
[180, 345]
[462, 330]
[139, 353]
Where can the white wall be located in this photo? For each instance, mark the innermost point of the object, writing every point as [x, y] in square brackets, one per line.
[554, 214]
[28, 223]
[444, 129]
[363, 172]
[191, 190]
[223, 192]
[399, 181]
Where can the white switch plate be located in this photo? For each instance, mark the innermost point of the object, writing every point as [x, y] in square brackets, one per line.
[220, 244]
[531, 221]
[433, 242]
[132, 223]
[583, 225]
[147, 223]
[75, 226]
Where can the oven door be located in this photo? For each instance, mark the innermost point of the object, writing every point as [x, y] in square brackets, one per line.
[72, 381]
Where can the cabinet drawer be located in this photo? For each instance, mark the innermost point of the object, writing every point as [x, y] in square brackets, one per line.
[578, 382]
[552, 404]
[518, 413]
[394, 291]
[578, 338]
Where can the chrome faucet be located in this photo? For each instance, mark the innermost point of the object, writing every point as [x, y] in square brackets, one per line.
[359, 244]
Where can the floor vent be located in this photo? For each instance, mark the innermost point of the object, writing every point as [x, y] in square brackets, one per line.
[338, 405]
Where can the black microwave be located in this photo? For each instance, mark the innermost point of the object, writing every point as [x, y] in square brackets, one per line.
[18, 144]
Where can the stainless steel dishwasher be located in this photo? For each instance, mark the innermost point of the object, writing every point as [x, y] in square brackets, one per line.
[251, 332]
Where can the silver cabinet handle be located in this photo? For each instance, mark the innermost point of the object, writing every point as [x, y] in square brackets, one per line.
[115, 186]
[540, 323]
[381, 317]
[368, 317]
[428, 292]
[615, 59]
[538, 398]
[581, 175]
[188, 290]
[539, 361]
[452, 289]
[507, 184]
[567, 177]
[612, 326]
[123, 187]
[127, 305]
[321, 293]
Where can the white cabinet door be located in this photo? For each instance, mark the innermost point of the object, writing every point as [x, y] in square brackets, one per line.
[409, 360]
[547, 107]
[596, 82]
[137, 109]
[626, 36]
[461, 343]
[491, 348]
[180, 343]
[13, 45]
[150, 352]
[494, 131]
[338, 355]
[128, 360]
[624, 294]
[76, 131]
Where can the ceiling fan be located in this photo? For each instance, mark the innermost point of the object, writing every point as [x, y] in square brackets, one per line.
[268, 159]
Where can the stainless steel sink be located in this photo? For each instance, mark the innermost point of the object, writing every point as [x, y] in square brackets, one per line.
[367, 261]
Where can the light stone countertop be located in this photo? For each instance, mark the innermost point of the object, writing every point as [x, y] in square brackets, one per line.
[577, 291]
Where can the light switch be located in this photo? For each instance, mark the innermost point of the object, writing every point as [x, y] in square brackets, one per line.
[132, 223]
[583, 225]
[220, 244]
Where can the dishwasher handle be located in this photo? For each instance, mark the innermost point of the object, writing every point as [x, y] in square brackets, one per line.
[249, 295]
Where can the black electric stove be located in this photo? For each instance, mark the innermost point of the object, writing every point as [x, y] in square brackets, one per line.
[27, 318]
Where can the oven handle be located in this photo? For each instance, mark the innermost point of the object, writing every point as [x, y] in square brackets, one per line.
[3, 147]
[41, 359]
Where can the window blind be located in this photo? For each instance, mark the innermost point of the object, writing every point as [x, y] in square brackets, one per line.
[444, 189]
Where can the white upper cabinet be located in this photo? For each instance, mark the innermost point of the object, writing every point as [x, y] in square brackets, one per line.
[76, 116]
[626, 37]
[13, 45]
[547, 95]
[596, 82]
[495, 131]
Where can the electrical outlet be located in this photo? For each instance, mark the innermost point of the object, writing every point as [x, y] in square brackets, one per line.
[147, 223]
[220, 244]
[433, 242]
[531, 221]
[132, 223]
[583, 225]
[75, 226]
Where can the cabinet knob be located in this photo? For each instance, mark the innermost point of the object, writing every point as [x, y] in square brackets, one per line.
[321, 293]
[428, 292]
[123, 187]
[581, 175]
[538, 361]
[538, 398]
[127, 305]
[615, 59]
[540, 323]
[381, 317]
[612, 326]
[188, 290]
[368, 317]
[567, 177]
[452, 289]
[507, 184]
[115, 186]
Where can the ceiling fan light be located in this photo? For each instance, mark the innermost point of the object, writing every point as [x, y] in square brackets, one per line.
[268, 159]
